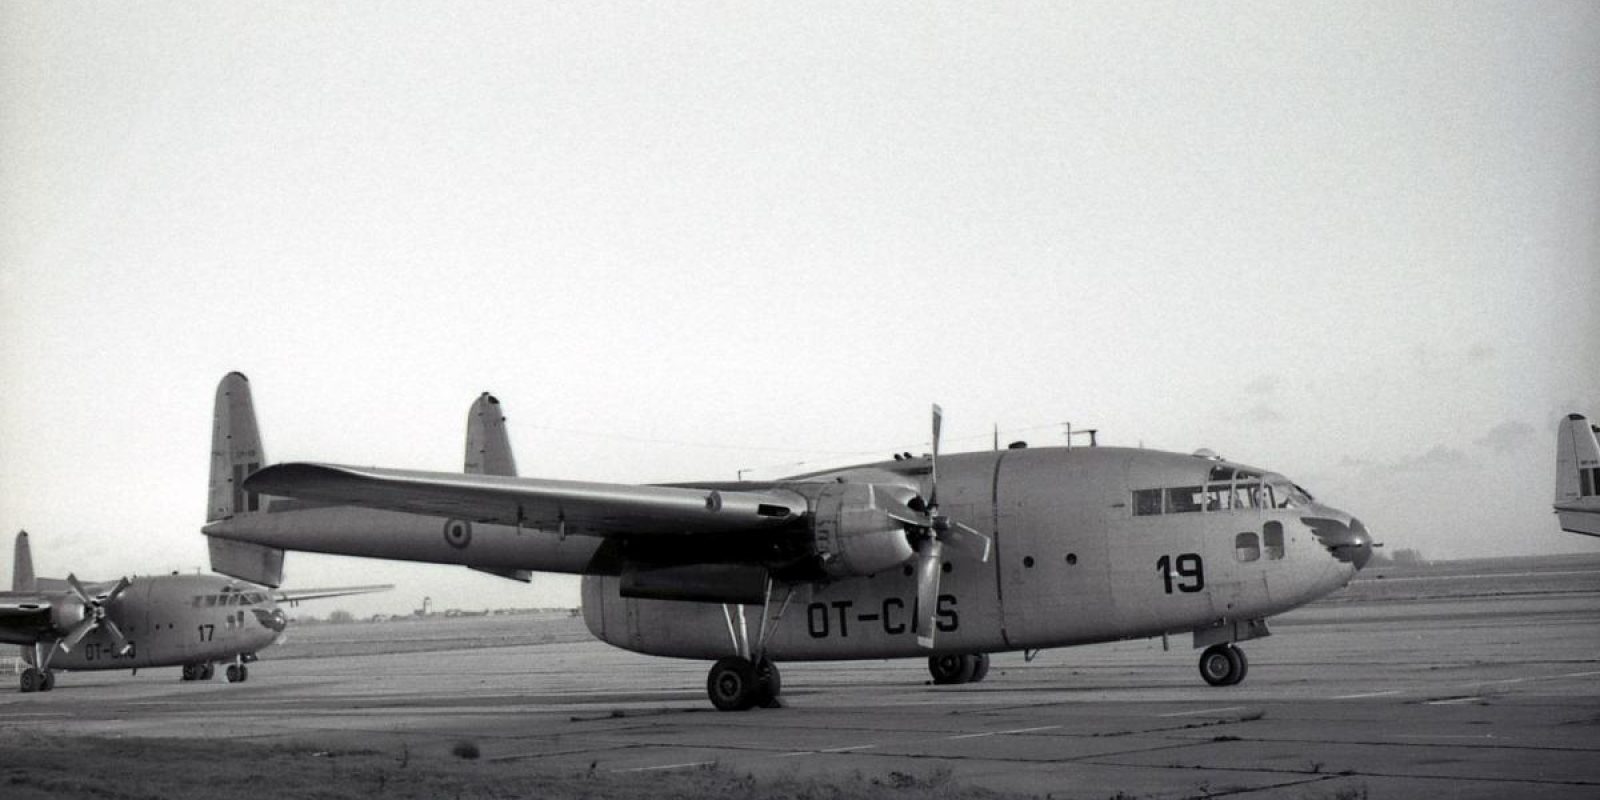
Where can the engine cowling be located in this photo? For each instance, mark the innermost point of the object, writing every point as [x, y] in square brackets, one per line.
[853, 535]
[66, 614]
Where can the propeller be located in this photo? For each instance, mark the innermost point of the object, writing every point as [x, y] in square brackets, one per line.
[94, 616]
[933, 531]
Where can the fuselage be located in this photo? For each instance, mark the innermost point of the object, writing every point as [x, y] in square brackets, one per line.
[172, 620]
[1090, 544]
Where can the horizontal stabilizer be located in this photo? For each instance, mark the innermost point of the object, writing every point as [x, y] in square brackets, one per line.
[519, 575]
[300, 595]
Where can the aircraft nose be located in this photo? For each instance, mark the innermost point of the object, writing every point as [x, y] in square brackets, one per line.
[1348, 541]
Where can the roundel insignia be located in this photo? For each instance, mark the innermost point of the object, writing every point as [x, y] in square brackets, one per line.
[458, 533]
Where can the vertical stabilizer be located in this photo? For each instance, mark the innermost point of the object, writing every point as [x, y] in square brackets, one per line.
[22, 565]
[235, 449]
[1578, 476]
[488, 448]
[235, 453]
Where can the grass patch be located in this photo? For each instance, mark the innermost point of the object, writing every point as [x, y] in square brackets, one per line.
[39, 767]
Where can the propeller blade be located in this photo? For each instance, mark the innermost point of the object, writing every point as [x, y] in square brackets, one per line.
[929, 564]
[897, 510]
[116, 635]
[969, 540]
[77, 634]
[122, 583]
[77, 589]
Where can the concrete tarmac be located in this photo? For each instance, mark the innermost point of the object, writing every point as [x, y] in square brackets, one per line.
[1479, 683]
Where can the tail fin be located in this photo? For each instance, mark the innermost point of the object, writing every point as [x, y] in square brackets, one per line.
[235, 453]
[22, 565]
[235, 449]
[488, 448]
[1578, 476]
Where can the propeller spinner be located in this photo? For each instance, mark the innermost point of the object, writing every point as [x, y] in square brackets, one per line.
[94, 616]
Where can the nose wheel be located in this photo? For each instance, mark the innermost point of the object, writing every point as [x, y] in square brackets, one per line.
[1223, 665]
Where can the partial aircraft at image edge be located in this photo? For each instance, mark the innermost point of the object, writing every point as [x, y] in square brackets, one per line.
[945, 556]
[1577, 504]
[193, 621]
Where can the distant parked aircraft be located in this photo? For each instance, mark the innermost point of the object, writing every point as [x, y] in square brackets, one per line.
[1578, 476]
[196, 621]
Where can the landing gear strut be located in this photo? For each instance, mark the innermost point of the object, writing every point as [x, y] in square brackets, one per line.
[749, 679]
[1223, 665]
[953, 668]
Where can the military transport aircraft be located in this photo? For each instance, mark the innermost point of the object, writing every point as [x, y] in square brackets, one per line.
[196, 621]
[1578, 476]
[949, 557]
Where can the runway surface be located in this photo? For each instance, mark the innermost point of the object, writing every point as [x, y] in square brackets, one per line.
[1474, 680]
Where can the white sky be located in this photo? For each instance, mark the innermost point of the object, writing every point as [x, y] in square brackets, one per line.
[1353, 243]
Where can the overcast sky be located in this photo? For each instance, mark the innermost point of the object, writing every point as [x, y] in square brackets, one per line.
[1354, 243]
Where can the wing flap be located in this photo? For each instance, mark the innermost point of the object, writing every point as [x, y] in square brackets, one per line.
[572, 506]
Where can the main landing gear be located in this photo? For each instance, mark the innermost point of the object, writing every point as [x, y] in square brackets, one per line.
[37, 680]
[1223, 665]
[199, 672]
[738, 684]
[953, 668]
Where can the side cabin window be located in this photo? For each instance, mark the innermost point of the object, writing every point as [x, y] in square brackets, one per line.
[1272, 534]
[1246, 548]
[1185, 499]
[1146, 502]
[211, 601]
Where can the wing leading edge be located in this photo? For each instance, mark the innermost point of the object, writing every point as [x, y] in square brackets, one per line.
[596, 509]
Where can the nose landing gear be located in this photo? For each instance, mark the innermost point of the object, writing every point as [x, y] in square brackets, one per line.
[1223, 665]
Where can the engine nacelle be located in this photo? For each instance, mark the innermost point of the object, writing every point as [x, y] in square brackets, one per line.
[65, 614]
[853, 536]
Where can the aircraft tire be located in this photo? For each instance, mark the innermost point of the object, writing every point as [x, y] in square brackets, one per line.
[190, 672]
[1219, 665]
[30, 680]
[233, 674]
[1241, 663]
[952, 668]
[206, 672]
[733, 685]
[47, 680]
[769, 683]
[244, 673]
[980, 669]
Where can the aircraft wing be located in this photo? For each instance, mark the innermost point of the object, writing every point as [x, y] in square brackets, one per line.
[297, 595]
[24, 617]
[599, 509]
